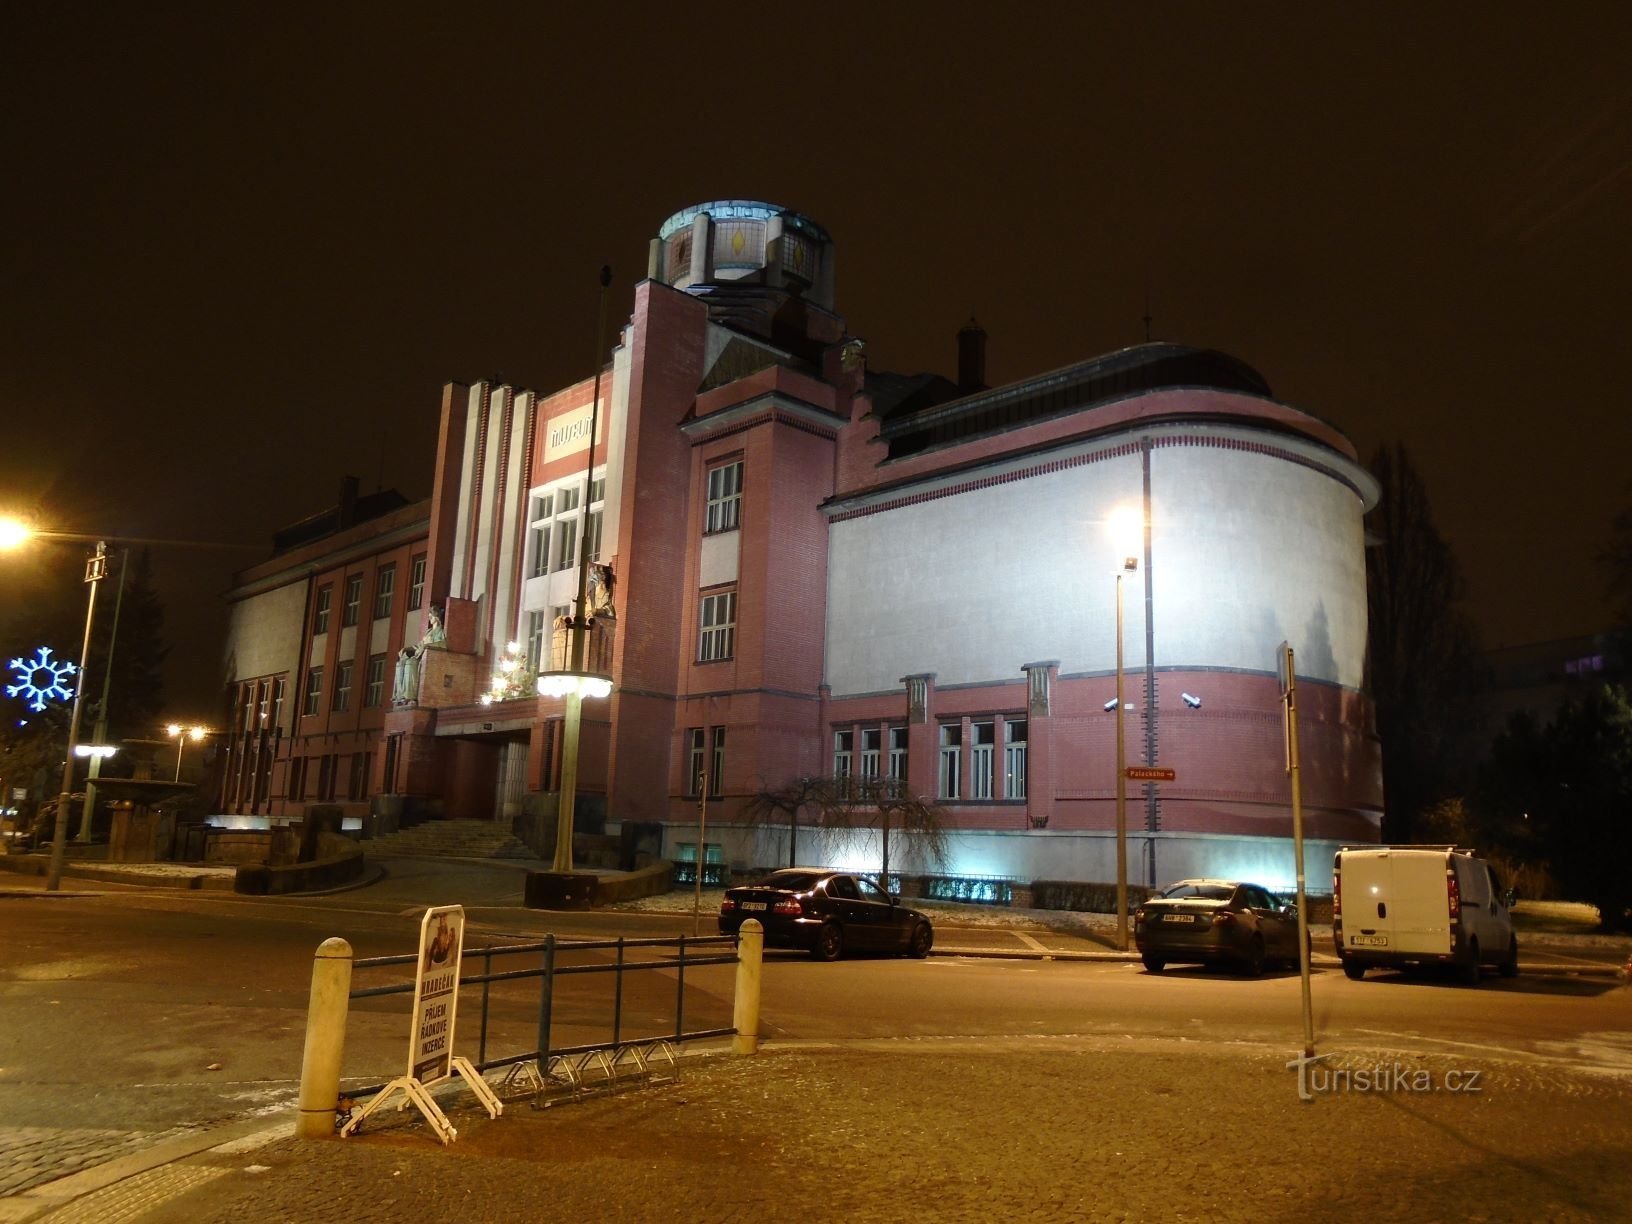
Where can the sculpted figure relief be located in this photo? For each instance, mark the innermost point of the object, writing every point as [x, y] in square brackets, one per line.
[405, 686]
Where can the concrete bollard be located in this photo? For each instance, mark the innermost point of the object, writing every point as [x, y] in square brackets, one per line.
[325, 1040]
[745, 1012]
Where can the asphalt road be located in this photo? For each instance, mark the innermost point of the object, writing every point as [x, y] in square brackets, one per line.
[153, 1009]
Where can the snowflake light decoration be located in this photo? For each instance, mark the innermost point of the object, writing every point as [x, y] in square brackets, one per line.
[40, 679]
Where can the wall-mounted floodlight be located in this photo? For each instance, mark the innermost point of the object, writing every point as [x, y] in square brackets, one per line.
[1110, 705]
[1193, 702]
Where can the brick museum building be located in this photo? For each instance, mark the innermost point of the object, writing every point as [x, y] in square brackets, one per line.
[805, 566]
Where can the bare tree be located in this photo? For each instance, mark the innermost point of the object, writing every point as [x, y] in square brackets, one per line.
[783, 804]
[840, 808]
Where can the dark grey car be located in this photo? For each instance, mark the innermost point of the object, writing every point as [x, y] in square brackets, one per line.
[1216, 922]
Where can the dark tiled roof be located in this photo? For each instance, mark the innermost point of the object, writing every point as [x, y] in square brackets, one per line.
[896, 395]
[916, 422]
[367, 506]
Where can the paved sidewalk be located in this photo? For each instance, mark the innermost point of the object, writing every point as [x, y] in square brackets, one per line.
[1060, 1129]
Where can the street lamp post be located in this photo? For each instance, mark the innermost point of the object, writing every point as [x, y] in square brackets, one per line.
[1121, 788]
[100, 731]
[181, 735]
[578, 682]
[96, 568]
[1124, 524]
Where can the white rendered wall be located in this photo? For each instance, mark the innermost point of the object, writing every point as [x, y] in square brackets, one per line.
[1246, 549]
[264, 632]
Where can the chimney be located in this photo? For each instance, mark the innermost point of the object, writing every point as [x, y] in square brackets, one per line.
[346, 512]
[971, 357]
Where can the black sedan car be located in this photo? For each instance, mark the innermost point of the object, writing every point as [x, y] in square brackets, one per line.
[1216, 922]
[826, 912]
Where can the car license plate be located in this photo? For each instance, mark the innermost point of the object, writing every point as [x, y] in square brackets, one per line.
[1175, 917]
[753, 905]
[1368, 941]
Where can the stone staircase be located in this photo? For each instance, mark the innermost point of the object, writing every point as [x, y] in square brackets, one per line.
[451, 839]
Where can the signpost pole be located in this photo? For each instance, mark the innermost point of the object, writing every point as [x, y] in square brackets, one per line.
[1289, 697]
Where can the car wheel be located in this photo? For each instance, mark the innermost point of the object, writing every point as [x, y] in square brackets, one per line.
[1154, 964]
[829, 942]
[1253, 965]
[1468, 971]
[1354, 970]
[1510, 962]
[923, 939]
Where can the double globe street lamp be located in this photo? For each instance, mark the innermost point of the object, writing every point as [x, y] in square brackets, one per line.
[181, 735]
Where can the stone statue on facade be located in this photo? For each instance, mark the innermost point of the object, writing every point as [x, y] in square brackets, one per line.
[405, 688]
[600, 593]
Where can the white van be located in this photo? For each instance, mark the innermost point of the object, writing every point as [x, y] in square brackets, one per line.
[1399, 906]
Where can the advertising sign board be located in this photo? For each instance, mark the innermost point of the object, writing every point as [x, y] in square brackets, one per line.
[436, 994]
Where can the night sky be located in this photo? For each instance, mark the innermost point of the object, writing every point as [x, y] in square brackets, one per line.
[245, 245]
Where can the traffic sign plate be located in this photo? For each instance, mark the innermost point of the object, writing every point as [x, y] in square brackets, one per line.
[1150, 773]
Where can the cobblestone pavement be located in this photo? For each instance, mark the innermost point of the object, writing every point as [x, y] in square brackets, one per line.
[33, 1155]
[1037, 1129]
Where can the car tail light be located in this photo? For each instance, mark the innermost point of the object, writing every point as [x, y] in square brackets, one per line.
[727, 905]
[789, 906]
[1337, 895]
[1223, 918]
[1453, 894]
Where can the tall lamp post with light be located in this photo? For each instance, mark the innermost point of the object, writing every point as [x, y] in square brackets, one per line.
[12, 534]
[576, 681]
[96, 569]
[181, 735]
[1127, 527]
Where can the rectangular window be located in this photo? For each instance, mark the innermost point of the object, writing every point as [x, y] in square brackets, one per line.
[694, 762]
[980, 760]
[594, 541]
[320, 618]
[535, 641]
[357, 785]
[717, 634]
[416, 584]
[540, 546]
[716, 772]
[342, 685]
[597, 490]
[314, 692]
[1014, 759]
[354, 600]
[566, 543]
[277, 703]
[568, 498]
[951, 748]
[385, 585]
[844, 743]
[898, 753]
[375, 692]
[297, 778]
[724, 498]
[325, 776]
[871, 739]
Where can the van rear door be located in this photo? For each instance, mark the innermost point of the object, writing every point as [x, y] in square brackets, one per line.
[1367, 883]
[1421, 905]
[1394, 902]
